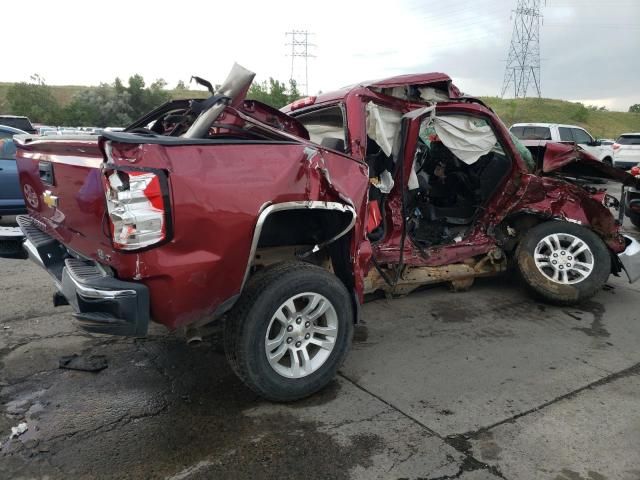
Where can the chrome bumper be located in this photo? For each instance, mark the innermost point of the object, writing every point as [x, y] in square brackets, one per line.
[102, 303]
[630, 259]
[33, 254]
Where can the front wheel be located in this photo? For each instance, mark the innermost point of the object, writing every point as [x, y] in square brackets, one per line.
[290, 332]
[562, 262]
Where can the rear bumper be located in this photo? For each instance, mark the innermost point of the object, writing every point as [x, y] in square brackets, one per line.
[630, 259]
[102, 303]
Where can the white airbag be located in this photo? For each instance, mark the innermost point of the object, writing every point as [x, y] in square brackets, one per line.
[467, 137]
[383, 125]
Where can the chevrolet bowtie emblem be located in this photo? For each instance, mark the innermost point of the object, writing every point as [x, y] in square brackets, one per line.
[49, 199]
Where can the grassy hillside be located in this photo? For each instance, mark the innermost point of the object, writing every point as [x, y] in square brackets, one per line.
[601, 124]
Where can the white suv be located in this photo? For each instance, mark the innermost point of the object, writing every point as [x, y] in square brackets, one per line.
[626, 150]
[555, 132]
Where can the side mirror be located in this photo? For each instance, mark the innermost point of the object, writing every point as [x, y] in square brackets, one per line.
[595, 143]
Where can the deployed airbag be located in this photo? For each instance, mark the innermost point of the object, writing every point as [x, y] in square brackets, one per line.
[467, 137]
[383, 125]
[319, 132]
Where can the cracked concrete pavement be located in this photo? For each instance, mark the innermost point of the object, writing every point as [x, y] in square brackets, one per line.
[475, 385]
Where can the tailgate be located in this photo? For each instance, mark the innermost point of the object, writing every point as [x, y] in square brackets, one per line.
[62, 186]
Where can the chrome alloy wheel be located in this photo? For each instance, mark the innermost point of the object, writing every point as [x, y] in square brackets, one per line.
[564, 258]
[301, 335]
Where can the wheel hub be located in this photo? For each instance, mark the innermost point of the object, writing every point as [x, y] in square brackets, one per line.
[301, 335]
[564, 258]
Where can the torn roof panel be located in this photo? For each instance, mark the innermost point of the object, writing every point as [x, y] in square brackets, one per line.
[410, 79]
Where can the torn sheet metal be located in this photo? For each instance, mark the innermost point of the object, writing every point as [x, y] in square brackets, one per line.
[467, 137]
[383, 125]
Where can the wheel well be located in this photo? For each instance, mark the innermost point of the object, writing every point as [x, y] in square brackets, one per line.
[313, 235]
[292, 235]
[511, 229]
[303, 227]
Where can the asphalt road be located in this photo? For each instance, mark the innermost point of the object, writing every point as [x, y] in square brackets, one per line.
[474, 385]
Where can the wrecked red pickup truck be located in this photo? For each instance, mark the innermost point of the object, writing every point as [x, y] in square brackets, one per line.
[281, 221]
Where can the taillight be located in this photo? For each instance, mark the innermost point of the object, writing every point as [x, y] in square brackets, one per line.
[616, 146]
[635, 170]
[136, 208]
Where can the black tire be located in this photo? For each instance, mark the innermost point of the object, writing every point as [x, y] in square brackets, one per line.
[246, 329]
[634, 218]
[553, 291]
[607, 161]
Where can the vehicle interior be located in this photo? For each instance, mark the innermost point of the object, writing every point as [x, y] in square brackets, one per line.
[176, 121]
[326, 127]
[455, 173]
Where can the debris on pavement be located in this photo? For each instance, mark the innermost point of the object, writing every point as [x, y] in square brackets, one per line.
[19, 430]
[91, 363]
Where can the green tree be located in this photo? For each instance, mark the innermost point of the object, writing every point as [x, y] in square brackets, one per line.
[155, 95]
[115, 104]
[103, 106]
[34, 100]
[118, 86]
[294, 93]
[142, 99]
[274, 93]
[136, 94]
[634, 108]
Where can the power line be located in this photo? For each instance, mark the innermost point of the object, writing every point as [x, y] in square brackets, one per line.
[300, 49]
[523, 61]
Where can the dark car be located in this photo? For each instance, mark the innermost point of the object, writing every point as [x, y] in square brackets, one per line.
[11, 201]
[21, 123]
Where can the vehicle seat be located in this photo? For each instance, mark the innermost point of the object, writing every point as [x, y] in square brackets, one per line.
[496, 168]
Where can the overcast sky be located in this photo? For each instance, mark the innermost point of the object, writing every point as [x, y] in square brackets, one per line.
[589, 48]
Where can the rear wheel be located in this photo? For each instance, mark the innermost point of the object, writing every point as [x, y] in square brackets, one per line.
[290, 331]
[608, 161]
[562, 262]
